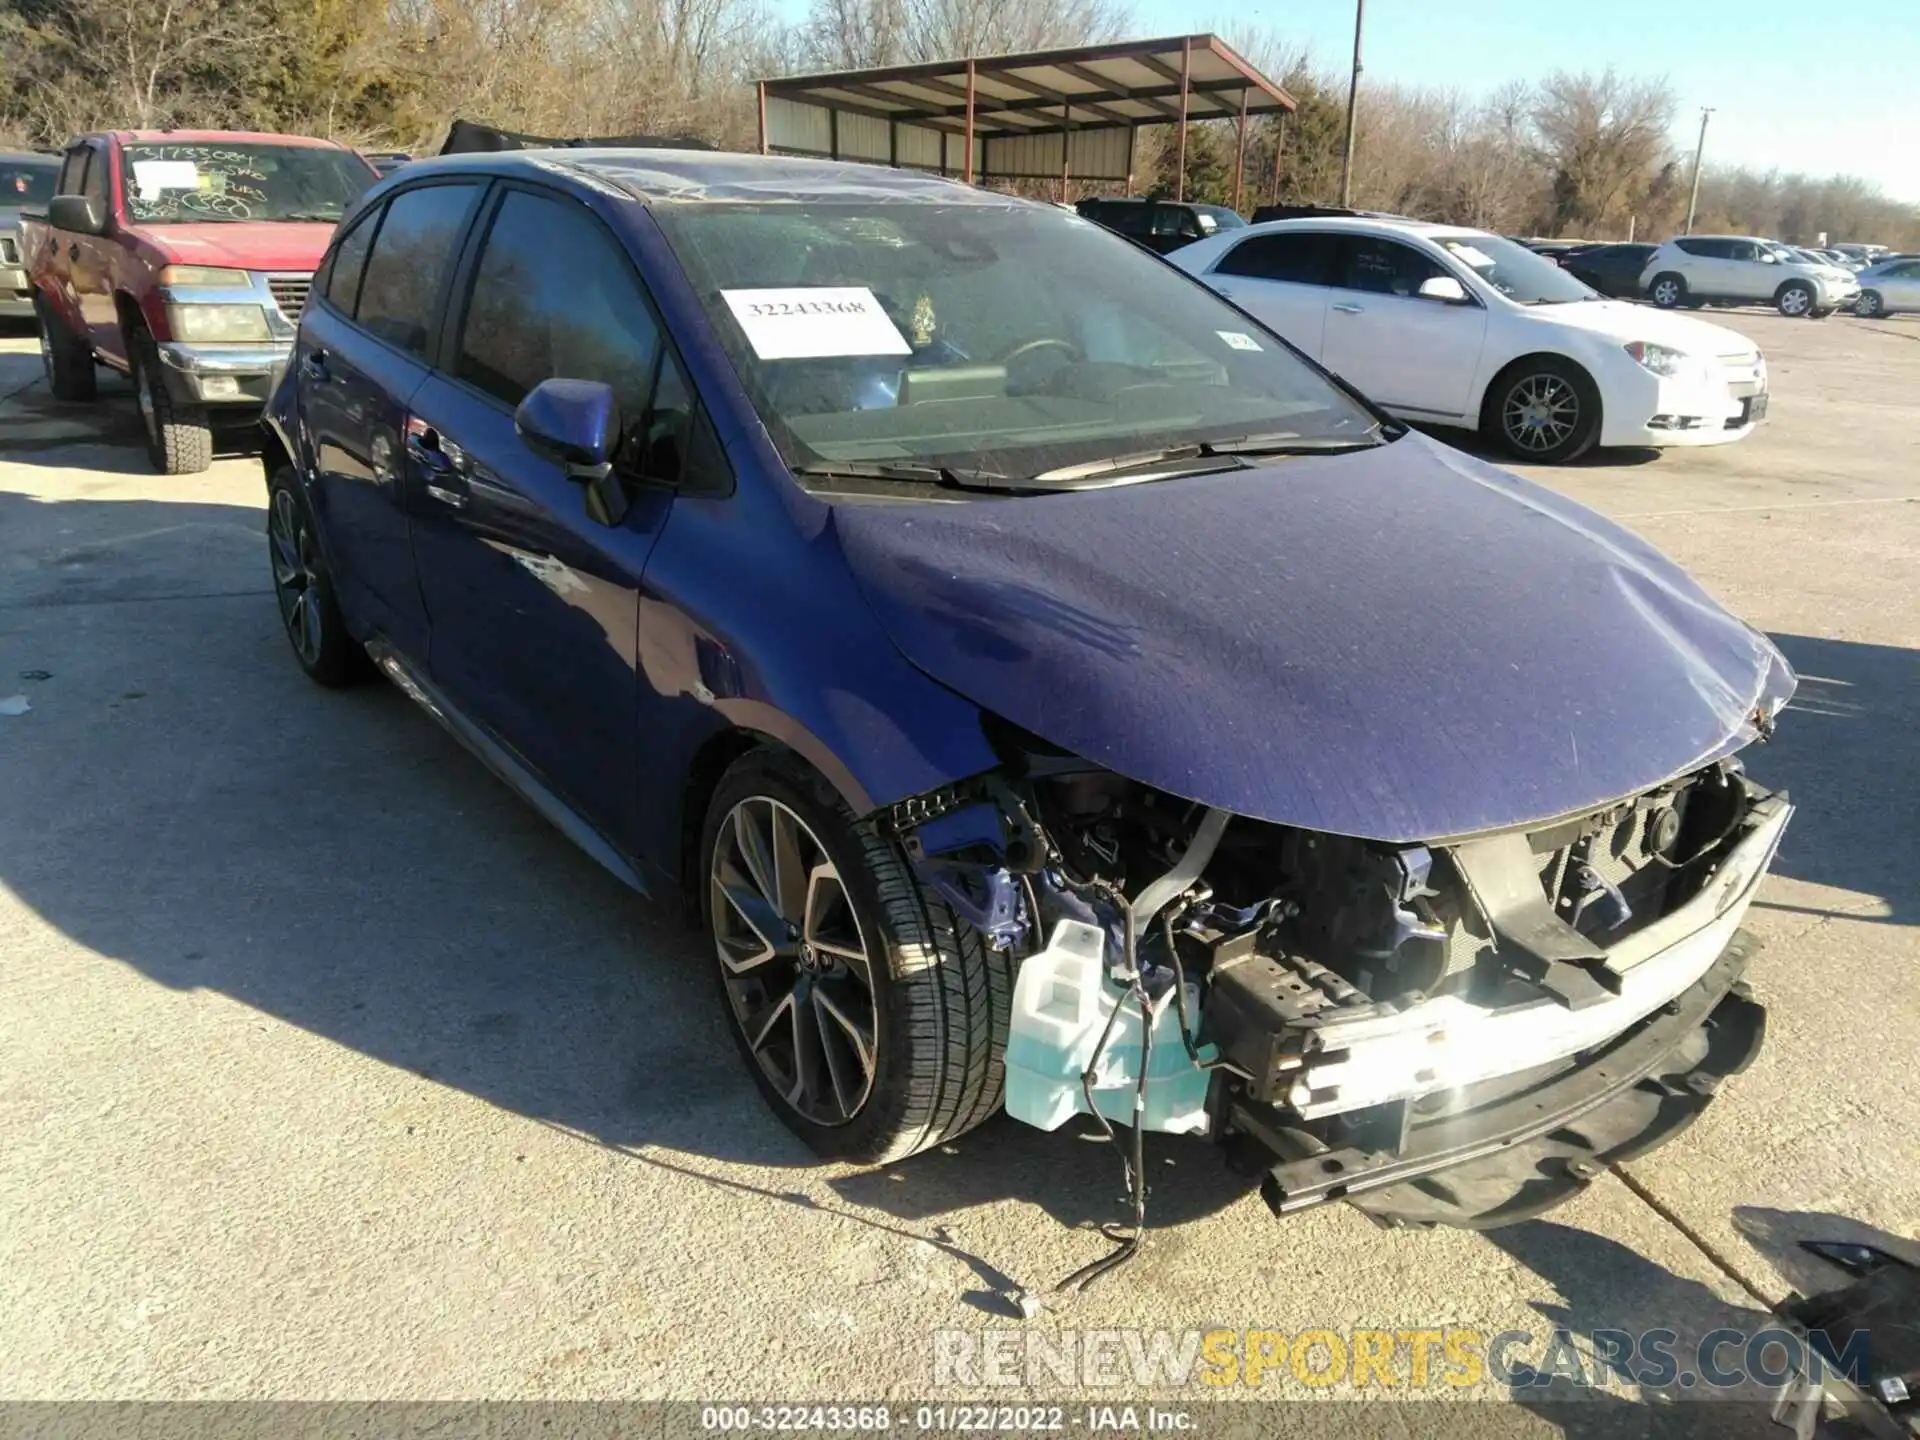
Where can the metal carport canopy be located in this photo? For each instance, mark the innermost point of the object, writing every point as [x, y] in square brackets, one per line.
[1039, 114]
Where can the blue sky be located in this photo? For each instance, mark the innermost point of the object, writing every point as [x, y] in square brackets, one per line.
[1813, 87]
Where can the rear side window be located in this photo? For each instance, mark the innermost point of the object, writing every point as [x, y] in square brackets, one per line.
[1703, 248]
[93, 181]
[1127, 219]
[73, 170]
[1174, 220]
[341, 284]
[1299, 258]
[553, 295]
[402, 278]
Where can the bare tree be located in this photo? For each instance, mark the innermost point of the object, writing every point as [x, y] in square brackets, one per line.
[1603, 138]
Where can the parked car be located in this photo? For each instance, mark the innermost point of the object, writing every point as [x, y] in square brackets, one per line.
[26, 183]
[1742, 270]
[1459, 327]
[385, 162]
[1889, 287]
[182, 259]
[1554, 249]
[1611, 269]
[937, 594]
[1163, 226]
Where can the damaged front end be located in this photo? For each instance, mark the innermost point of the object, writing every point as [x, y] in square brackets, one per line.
[1465, 1031]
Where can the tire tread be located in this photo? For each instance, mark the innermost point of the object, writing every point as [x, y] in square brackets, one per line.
[942, 1071]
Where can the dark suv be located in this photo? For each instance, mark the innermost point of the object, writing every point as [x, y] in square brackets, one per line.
[1161, 225]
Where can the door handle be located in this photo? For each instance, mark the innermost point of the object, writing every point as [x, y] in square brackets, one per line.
[73, 252]
[441, 459]
[313, 364]
[1345, 308]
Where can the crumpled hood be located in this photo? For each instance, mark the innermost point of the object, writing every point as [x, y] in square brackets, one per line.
[291, 245]
[1399, 644]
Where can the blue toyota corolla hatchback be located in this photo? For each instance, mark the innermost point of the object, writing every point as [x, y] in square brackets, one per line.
[1038, 680]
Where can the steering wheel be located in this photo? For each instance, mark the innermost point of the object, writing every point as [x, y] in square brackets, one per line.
[1045, 342]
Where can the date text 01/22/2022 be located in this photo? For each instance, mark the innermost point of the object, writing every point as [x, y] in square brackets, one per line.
[944, 1419]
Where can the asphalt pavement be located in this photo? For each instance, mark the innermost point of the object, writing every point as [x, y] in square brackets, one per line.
[329, 1070]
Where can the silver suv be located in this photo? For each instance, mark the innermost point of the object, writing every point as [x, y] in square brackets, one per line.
[1739, 269]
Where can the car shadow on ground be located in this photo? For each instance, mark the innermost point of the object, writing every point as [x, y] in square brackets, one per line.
[1472, 442]
[100, 434]
[183, 802]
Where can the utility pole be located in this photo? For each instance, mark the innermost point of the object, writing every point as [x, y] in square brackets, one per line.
[1353, 101]
[1693, 200]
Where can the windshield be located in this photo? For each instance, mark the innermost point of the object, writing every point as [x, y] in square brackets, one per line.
[1008, 339]
[213, 182]
[26, 182]
[1515, 271]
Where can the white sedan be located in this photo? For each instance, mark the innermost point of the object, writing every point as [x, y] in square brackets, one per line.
[1459, 327]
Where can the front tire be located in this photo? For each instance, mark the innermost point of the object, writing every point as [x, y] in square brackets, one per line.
[67, 362]
[304, 590]
[872, 1019]
[1545, 411]
[1795, 299]
[179, 437]
[1870, 305]
[1668, 290]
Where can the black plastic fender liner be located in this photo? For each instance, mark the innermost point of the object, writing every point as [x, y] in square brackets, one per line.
[1506, 1151]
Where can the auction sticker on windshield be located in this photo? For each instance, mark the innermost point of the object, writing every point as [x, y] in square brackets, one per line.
[150, 177]
[1238, 339]
[815, 322]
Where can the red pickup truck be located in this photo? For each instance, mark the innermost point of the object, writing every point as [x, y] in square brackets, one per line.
[182, 258]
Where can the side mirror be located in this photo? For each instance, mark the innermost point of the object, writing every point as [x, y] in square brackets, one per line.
[1767, 257]
[1444, 288]
[576, 424]
[77, 214]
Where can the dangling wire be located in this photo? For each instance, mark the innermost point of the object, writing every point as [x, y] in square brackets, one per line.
[1136, 1168]
[1180, 1007]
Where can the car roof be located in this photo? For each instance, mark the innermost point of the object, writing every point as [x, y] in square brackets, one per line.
[208, 137]
[655, 177]
[1358, 225]
[29, 157]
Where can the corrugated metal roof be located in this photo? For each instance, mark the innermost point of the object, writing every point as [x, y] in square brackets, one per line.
[1124, 84]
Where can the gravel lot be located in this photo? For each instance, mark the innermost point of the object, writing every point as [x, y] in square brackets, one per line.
[330, 1071]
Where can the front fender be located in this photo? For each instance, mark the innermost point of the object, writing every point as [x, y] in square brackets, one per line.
[752, 623]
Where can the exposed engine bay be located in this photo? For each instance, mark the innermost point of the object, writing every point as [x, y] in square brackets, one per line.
[1359, 1019]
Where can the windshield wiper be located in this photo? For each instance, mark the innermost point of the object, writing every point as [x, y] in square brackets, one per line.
[1283, 442]
[1286, 443]
[308, 215]
[909, 473]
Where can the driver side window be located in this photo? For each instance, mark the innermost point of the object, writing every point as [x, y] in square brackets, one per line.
[1383, 267]
[554, 296]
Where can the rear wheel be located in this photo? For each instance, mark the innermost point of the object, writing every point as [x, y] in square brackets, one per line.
[1795, 299]
[179, 437]
[1545, 410]
[1667, 290]
[872, 1019]
[304, 590]
[67, 362]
